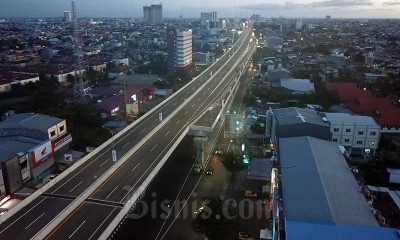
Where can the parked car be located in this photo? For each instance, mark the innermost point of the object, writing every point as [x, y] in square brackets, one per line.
[250, 194]
[210, 171]
[245, 236]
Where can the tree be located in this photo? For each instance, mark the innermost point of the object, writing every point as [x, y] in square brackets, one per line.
[232, 162]
[70, 78]
[206, 48]
[213, 219]
[359, 57]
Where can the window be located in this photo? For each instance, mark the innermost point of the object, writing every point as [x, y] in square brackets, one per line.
[53, 133]
[336, 129]
[348, 130]
[347, 140]
[373, 133]
[334, 139]
[62, 128]
[359, 142]
[24, 165]
[360, 132]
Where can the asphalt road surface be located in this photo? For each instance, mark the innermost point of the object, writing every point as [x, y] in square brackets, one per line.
[105, 203]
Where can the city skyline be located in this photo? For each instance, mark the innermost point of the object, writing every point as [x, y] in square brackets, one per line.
[225, 8]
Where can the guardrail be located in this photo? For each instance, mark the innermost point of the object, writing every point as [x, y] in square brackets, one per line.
[121, 215]
[83, 196]
[124, 211]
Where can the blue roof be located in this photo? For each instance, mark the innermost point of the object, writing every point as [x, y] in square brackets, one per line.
[296, 230]
[317, 184]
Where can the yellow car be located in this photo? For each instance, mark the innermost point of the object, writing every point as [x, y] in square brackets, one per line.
[245, 236]
[250, 194]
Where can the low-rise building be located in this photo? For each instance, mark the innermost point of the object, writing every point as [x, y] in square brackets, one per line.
[358, 134]
[28, 143]
[315, 195]
[298, 86]
[295, 122]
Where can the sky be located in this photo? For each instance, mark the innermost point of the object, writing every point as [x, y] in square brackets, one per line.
[193, 8]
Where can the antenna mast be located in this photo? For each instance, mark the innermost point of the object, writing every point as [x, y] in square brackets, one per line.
[78, 84]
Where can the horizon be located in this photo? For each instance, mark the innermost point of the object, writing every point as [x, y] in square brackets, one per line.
[338, 9]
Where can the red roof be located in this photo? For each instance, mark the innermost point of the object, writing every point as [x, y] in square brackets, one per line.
[363, 102]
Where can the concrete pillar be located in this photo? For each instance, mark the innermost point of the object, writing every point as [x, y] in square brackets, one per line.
[200, 142]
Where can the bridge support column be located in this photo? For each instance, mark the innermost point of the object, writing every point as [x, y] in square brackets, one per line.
[200, 142]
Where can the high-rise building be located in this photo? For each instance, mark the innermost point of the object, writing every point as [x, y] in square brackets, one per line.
[153, 14]
[208, 19]
[179, 50]
[146, 13]
[299, 24]
[67, 16]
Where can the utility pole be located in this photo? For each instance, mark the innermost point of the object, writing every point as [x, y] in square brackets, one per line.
[78, 85]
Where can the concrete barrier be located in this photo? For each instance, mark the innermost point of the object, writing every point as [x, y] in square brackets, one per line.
[121, 215]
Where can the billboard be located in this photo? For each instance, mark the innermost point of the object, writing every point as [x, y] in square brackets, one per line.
[42, 153]
[62, 142]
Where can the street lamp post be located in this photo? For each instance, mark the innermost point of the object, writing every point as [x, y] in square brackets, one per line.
[113, 151]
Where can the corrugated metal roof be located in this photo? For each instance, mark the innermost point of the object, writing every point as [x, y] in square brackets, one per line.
[315, 231]
[347, 118]
[295, 115]
[31, 120]
[317, 184]
[298, 85]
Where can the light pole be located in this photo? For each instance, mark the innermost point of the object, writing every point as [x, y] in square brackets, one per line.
[113, 151]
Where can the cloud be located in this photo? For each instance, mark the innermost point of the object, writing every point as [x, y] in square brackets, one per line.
[340, 3]
[391, 3]
[271, 6]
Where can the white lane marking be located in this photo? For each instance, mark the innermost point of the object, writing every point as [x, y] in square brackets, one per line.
[22, 215]
[126, 144]
[167, 133]
[77, 229]
[97, 229]
[176, 199]
[143, 130]
[186, 112]
[153, 147]
[193, 105]
[104, 162]
[177, 121]
[155, 120]
[111, 192]
[133, 169]
[34, 221]
[76, 186]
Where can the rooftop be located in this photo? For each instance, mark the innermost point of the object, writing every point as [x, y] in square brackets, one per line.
[320, 188]
[293, 115]
[364, 103]
[313, 231]
[347, 118]
[9, 147]
[31, 120]
[298, 85]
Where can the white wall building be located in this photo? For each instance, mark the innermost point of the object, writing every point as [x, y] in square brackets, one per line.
[183, 48]
[358, 134]
[67, 16]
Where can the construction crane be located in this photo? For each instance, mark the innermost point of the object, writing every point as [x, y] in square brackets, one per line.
[78, 83]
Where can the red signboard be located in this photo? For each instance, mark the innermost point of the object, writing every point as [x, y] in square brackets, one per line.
[42, 153]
